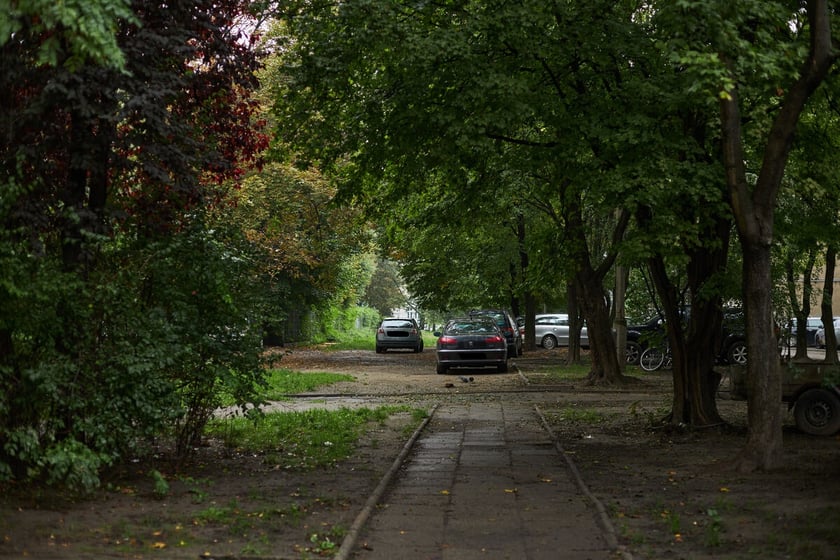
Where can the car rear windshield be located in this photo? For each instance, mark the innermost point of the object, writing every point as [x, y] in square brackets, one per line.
[499, 318]
[470, 327]
[398, 324]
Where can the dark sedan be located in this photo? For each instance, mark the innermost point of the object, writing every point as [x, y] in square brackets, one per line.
[471, 342]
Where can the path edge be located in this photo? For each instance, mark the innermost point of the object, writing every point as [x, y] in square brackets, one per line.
[603, 516]
[352, 536]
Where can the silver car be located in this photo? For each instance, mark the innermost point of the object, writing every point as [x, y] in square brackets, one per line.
[552, 330]
[812, 325]
[819, 336]
[471, 342]
[398, 333]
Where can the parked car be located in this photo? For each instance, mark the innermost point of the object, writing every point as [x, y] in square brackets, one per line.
[819, 335]
[552, 330]
[732, 348]
[812, 325]
[398, 333]
[733, 341]
[471, 342]
[507, 325]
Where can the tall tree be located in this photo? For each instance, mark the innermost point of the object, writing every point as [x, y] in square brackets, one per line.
[120, 130]
[753, 208]
[742, 51]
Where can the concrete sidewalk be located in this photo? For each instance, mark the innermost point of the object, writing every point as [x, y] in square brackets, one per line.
[485, 480]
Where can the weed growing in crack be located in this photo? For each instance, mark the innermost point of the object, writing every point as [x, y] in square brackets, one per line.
[673, 521]
[327, 542]
[714, 528]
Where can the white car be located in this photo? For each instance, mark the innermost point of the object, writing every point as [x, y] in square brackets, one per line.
[552, 330]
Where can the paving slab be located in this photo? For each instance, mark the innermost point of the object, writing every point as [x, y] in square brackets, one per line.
[485, 481]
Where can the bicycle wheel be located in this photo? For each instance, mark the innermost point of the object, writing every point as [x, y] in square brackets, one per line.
[652, 359]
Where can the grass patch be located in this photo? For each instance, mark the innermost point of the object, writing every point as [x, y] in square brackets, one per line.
[575, 418]
[580, 415]
[562, 372]
[280, 383]
[362, 339]
[572, 372]
[365, 339]
[301, 440]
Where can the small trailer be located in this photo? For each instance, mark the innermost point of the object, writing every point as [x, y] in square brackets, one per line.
[811, 389]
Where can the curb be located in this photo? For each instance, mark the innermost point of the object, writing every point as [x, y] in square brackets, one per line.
[603, 517]
[349, 541]
[521, 375]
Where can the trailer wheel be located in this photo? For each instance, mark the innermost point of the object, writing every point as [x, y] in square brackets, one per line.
[817, 412]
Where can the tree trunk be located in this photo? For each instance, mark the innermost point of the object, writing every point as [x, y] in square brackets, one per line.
[826, 308]
[692, 344]
[801, 310]
[590, 293]
[619, 317]
[530, 329]
[694, 341]
[763, 449]
[592, 298]
[701, 381]
[573, 356]
[524, 261]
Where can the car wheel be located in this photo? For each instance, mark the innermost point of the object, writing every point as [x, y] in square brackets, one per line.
[441, 369]
[379, 349]
[503, 367]
[817, 412]
[418, 348]
[737, 353]
[548, 342]
[634, 352]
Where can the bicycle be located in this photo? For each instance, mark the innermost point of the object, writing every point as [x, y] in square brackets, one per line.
[654, 358]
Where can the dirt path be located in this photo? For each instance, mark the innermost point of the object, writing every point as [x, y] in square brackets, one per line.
[670, 495]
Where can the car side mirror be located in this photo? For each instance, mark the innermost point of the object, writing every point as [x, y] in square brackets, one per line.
[437, 334]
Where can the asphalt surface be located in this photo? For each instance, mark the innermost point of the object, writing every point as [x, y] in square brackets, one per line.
[483, 480]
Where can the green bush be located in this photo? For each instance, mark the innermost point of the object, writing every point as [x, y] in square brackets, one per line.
[140, 345]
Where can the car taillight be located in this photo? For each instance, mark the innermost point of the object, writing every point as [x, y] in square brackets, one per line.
[493, 339]
[444, 340]
[507, 330]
